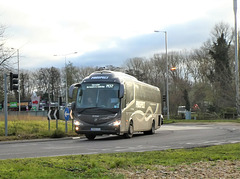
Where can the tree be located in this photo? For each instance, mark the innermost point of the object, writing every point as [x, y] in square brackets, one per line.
[134, 67]
[221, 76]
[41, 77]
[25, 85]
[202, 65]
[83, 72]
[219, 52]
[47, 81]
[158, 70]
[186, 98]
[6, 55]
[71, 74]
[54, 82]
[212, 70]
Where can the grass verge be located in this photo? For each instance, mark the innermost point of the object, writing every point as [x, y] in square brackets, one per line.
[33, 127]
[105, 165]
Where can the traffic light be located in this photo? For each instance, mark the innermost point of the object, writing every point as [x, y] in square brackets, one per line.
[164, 98]
[13, 81]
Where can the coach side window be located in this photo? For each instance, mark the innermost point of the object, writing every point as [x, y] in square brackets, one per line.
[123, 102]
[130, 92]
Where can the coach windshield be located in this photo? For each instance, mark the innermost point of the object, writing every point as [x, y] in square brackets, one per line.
[98, 95]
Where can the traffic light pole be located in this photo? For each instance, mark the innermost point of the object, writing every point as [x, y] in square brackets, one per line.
[5, 104]
[13, 86]
[19, 91]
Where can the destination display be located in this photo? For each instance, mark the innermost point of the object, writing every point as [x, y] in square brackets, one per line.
[102, 85]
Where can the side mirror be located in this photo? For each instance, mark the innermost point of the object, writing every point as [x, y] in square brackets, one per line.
[72, 88]
[121, 91]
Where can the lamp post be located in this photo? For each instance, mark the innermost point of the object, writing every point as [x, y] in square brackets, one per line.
[166, 71]
[236, 56]
[65, 56]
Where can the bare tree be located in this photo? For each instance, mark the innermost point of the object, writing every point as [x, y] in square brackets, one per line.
[158, 71]
[219, 29]
[71, 74]
[6, 62]
[6, 54]
[41, 77]
[48, 81]
[134, 67]
[83, 72]
[54, 81]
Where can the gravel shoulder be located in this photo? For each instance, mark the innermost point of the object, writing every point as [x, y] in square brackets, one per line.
[212, 169]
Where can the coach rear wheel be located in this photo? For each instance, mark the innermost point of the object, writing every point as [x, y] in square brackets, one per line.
[152, 130]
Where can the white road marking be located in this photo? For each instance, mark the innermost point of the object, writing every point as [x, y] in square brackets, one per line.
[175, 128]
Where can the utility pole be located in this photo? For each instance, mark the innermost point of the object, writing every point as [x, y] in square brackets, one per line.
[66, 93]
[236, 56]
[167, 68]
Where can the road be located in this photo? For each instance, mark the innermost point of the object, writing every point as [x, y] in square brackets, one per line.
[171, 136]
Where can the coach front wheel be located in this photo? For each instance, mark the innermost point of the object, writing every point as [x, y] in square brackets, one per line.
[130, 131]
[90, 136]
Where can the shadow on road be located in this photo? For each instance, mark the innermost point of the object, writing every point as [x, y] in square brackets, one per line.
[116, 137]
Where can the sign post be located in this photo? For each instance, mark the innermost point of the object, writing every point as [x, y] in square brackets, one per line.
[56, 114]
[49, 118]
[66, 116]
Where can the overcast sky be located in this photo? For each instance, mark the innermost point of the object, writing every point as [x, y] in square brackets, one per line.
[106, 32]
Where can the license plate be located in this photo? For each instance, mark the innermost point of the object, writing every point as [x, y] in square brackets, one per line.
[95, 129]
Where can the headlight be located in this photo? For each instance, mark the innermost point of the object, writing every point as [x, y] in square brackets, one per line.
[76, 123]
[115, 123]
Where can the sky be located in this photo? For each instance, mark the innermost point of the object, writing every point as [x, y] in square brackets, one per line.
[106, 32]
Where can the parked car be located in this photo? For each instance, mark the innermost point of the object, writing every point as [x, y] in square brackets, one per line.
[182, 111]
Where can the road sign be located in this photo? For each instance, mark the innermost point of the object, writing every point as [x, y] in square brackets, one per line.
[66, 114]
[49, 114]
[53, 114]
[13, 104]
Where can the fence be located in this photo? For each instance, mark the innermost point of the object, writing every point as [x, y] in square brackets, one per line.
[30, 113]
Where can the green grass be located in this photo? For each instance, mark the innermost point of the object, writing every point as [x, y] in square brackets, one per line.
[32, 127]
[103, 165]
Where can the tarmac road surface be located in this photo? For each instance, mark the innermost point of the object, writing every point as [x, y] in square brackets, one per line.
[169, 136]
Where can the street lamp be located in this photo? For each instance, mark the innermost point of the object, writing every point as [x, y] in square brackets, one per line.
[65, 56]
[166, 71]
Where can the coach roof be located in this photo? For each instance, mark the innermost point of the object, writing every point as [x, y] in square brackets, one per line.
[106, 75]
